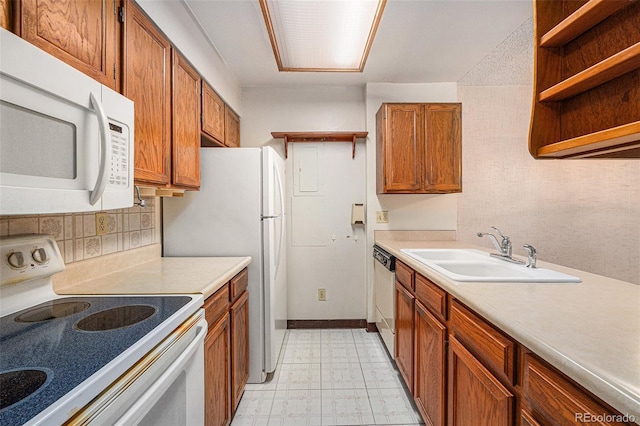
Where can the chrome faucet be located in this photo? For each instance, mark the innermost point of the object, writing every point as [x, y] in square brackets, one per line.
[504, 247]
[532, 256]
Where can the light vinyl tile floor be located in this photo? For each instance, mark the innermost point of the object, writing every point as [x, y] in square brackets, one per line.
[329, 377]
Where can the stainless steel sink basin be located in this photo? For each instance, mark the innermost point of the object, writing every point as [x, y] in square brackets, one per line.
[478, 266]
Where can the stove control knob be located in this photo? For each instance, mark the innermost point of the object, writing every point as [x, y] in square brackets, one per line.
[16, 260]
[40, 255]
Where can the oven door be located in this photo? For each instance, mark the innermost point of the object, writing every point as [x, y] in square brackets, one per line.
[166, 387]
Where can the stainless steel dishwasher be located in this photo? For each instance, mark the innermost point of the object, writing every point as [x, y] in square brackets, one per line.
[385, 277]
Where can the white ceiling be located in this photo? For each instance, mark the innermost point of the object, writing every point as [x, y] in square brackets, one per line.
[418, 41]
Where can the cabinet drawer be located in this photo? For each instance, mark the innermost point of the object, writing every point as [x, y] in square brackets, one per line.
[493, 348]
[239, 283]
[404, 274]
[554, 399]
[433, 297]
[216, 305]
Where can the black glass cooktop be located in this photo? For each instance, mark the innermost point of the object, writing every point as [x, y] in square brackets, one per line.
[49, 349]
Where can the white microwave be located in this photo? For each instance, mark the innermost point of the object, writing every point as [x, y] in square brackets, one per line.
[66, 141]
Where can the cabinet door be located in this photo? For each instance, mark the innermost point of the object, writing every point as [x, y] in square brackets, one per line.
[212, 114]
[185, 135]
[404, 334]
[475, 396]
[217, 371]
[5, 14]
[402, 148]
[443, 145]
[554, 399]
[429, 373]
[239, 347]
[231, 128]
[82, 33]
[147, 82]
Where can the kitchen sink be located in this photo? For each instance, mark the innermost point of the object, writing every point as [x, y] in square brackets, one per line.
[478, 266]
[445, 254]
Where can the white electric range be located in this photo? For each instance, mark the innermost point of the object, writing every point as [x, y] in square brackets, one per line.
[93, 359]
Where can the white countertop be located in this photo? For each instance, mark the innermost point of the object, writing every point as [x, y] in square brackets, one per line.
[166, 275]
[590, 330]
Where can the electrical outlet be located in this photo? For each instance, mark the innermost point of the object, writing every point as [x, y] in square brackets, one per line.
[382, 216]
[102, 220]
[322, 295]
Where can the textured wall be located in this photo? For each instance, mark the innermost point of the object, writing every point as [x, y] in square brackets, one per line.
[76, 236]
[579, 213]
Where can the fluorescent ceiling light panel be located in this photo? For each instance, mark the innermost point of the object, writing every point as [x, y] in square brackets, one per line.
[322, 35]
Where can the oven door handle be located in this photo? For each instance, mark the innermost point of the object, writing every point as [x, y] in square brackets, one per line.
[147, 400]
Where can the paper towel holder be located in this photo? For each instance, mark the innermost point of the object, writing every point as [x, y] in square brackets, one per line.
[357, 214]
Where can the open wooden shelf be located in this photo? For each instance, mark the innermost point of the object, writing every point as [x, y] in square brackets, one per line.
[617, 139]
[586, 101]
[319, 137]
[589, 15]
[607, 70]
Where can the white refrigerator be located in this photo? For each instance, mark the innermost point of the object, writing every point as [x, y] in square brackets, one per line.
[239, 211]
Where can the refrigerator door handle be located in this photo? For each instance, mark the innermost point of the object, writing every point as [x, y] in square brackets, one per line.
[282, 225]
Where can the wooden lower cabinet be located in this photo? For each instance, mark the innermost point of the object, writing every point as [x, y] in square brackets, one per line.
[476, 397]
[217, 372]
[429, 374]
[482, 377]
[526, 419]
[239, 347]
[404, 334]
[553, 400]
[226, 349]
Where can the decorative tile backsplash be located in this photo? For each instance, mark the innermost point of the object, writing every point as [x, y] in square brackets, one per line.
[76, 233]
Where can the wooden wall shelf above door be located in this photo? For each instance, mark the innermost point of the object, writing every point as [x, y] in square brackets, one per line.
[319, 137]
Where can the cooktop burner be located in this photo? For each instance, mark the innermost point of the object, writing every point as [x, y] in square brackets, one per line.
[18, 384]
[52, 310]
[51, 348]
[111, 319]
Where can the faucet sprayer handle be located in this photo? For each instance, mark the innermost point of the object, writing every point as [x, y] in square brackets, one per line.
[500, 233]
[532, 255]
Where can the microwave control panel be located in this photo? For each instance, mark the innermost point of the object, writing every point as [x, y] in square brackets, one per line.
[119, 174]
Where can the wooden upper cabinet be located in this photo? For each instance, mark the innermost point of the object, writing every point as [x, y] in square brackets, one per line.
[419, 148]
[402, 147]
[231, 128]
[213, 114]
[443, 148]
[83, 33]
[186, 123]
[147, 82]
[587, 79]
